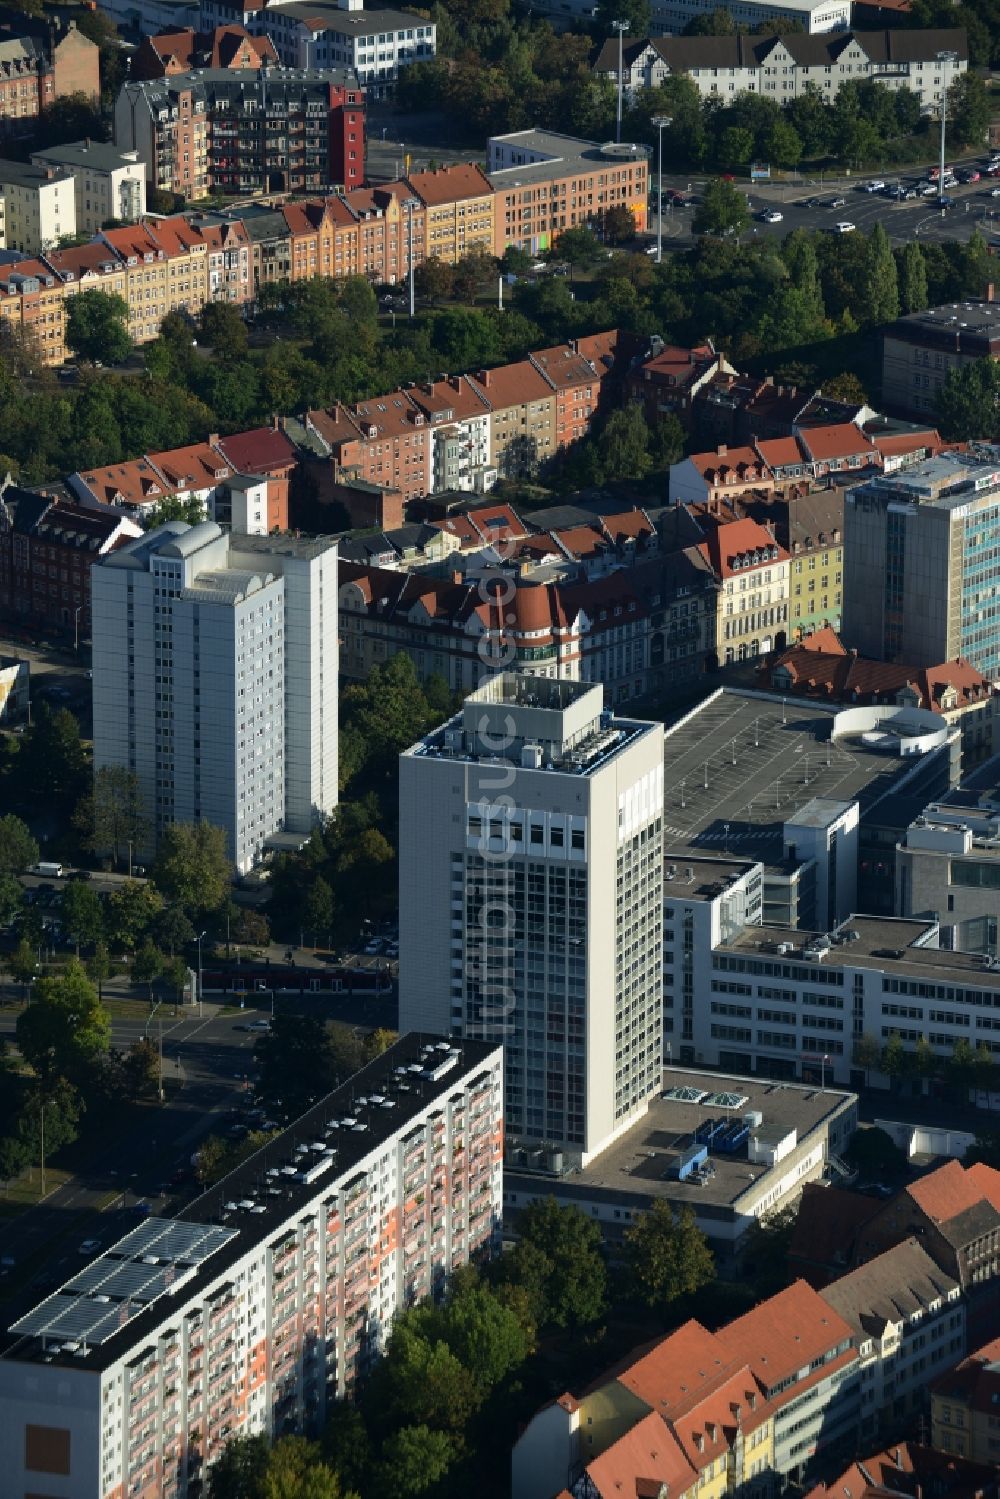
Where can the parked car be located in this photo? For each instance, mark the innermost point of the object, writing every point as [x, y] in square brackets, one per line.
[89, 1246]
[844, 226]
[971, 174]
[875, 186]
[839, 203]
[770, 216]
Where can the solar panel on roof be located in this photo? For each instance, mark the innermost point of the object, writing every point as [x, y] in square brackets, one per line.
[157, 1256]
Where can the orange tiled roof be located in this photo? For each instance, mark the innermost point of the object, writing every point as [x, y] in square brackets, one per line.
[740, 538]
[819, 666]
[649, 1451]
[786, 1333]
[450, 184]
[842, 440]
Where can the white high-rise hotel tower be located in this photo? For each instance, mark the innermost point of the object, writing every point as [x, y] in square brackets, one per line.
[531, 902]
[215, 679]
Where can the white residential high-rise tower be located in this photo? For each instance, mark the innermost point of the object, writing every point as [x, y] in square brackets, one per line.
[531, 902]
[215, 680]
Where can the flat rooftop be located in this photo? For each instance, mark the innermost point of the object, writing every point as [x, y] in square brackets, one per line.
[122, 1298]
[100, 156]
[329, 16]
[306, 547]
[742, 765]
[945, 482]
[882, 942]
[638, 1162]
[563, 154]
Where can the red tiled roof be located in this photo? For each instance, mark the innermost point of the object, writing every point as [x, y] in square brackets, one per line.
[819, 666]
[740, 538]
[785, 1334]
[259, 451]
[582, 541]
[649, 1451]
[196, 467]
[741, 460]
[825, 1229]
[946, 1192]
[512, 385]
[450, 184]
[909, 442]
[843, 440]
[781, 452]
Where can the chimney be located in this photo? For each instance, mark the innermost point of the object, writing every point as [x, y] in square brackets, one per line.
[455, 381]
[721, 450]
[699, 1441]
[484, 378]
[213, 438]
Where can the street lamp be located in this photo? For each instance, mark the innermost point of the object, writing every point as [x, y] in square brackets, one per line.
[660, 121]
[822, 1072]
[944, 58]
[200, 936]
[76, 627]
[621, 27]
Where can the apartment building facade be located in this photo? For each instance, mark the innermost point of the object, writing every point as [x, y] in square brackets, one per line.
[751, 616]
[574, 989]
[545, 182]
[267, 1299]
[108, 183]
[47, 549]
[246, 130]
[921, 584]
[965, 1407]
[39, 206]
[231, 656]
[42, 61]
[458, 203]
[907, 1318]
[784, 67]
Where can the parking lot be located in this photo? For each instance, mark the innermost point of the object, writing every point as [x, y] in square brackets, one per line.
[818, 204]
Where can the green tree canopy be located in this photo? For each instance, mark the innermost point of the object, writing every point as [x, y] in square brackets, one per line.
[131, 910]
[18, 848]
[968, 402]
[723, 209]
[559, 1261]
[65, 1029]
[82, 914]
[667, 1256]
[414, 1460]
[192, 867]
[97, 326]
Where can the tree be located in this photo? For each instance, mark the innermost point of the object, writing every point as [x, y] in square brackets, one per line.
[984, 1069]
[172, 929]
[881, 290]
[618, 224]
[97, 326]
[52, 762]
[968, 401]
[433, 279]
[239, 1470]
[623, 445]
[866, 1054]
[141, 1069]
[559, 1260]
[420, 1381]
[192, 866]
[488, 1338]
[894, 1061]
[132, 909]
[175, 973]
[960, 1066]
[472, 272]
[722, 210]
[174, 507]
[317, 914]
[82, 914]
[211, 1162]
[295, 1471]
[99, 967]
[578, 247]
[252, 927]
[22, 963]
[11, 898]
[913, 278]
[413, 1460]
[18, 849]
[222, 326]
[718, 22]
[970, 110]
[147, 965]
[782, 145]
[874, 1152]
[65, 1029]
[297, 1064]
[638, 13]
[74, 117]
[667, 1257]
[378, 1041]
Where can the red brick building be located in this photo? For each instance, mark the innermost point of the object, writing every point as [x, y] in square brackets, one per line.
[40, 63]
[47, 547]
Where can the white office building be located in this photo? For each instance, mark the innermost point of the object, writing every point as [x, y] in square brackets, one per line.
[263, 1301]
[108, 183]
[530, 863]
[375, 41]
[215, 680]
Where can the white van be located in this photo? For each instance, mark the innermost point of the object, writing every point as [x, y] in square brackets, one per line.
[49, 871]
